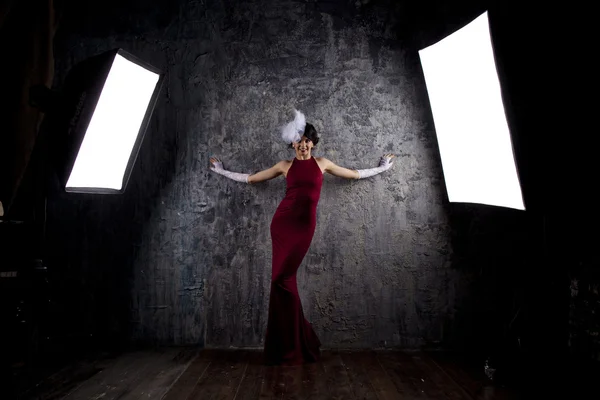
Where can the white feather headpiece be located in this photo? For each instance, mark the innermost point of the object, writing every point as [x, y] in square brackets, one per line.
[293, 131]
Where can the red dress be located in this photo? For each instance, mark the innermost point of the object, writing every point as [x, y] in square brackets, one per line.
[290, 338]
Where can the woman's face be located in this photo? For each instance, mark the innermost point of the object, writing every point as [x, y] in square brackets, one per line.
[304, 146]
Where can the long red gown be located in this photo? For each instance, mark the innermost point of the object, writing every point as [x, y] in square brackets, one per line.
[290, 338]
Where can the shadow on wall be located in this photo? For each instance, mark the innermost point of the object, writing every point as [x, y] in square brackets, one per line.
[515, 288]
[93, 240]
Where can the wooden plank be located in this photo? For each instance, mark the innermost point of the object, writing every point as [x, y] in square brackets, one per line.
[357, 375]
[381, 382]
[314, 382]
[67, 379]
[249, 388]
[420, 378]
[150, 367]
[157, 379]
[447, 386]
[223, 377]
[470, 378]
[269, 388]
[450, 365]
[403, 374]
[109, 382]
[290, 381]
[338, 382]
[242, 375]
[183, 387]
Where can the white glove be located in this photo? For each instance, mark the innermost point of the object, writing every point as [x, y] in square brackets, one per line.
[385, 163]
[218, 168]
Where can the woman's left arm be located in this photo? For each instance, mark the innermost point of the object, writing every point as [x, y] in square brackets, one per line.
[342, 172]
[336, 170]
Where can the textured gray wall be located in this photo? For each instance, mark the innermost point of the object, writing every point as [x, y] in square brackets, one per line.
[184, 256]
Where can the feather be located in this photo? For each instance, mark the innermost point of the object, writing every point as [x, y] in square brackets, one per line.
[293, 131]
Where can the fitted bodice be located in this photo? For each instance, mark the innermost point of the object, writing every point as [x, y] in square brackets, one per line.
[304, 180]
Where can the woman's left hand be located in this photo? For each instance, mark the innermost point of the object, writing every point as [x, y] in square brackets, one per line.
[386, 161]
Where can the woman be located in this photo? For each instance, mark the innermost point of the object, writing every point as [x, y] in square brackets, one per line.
[290, 339]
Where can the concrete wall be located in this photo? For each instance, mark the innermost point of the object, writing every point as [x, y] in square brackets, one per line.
[184, 255]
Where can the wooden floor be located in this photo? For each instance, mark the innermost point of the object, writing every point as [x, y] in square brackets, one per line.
[177, 373]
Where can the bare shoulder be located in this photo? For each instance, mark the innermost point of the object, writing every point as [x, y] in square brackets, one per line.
[284, 166]
[323, 161]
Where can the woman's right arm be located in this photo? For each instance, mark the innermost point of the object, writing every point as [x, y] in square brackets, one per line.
[273, 172]
[267, 174]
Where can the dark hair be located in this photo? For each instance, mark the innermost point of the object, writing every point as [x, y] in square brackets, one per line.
[311, 133]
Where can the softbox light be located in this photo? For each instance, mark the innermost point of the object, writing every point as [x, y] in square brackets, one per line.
[107, 103]
[470, 122]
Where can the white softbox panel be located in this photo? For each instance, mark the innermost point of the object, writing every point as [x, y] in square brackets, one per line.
[470, 122]
[108, 146]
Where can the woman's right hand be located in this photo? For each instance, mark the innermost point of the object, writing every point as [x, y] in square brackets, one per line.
[217, 165]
